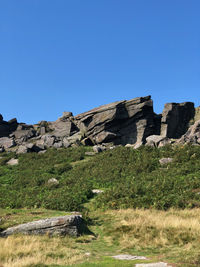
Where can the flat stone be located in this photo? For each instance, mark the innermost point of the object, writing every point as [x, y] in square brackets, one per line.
[157, 264]
[164, 161]
[63, 225]
[90, 153]
[13, 162]
[128, 257]
[97, 191]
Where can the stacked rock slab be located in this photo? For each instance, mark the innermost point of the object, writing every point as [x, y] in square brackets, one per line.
[124, 122]
[120, 122]
[7, 127]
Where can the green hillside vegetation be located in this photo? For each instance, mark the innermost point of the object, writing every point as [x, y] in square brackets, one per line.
[146, 208]
[130, 179]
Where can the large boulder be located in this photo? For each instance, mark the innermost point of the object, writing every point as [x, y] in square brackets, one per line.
[157, 141]
[120, 122]
[6, 142]
[7, 127]
[64, 225]
[175, 119]
[64, 126]
[23, 133]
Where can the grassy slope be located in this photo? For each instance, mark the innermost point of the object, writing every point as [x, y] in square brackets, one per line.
[171, 236]
[131, 179]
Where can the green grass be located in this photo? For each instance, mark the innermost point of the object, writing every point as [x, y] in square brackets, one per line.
[130, 179]
[170, 236]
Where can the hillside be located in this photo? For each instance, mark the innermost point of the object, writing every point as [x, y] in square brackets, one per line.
[124, 219]
[130, 178]
[132, 174]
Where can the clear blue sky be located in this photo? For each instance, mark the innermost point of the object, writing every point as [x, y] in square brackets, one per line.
[74, 55]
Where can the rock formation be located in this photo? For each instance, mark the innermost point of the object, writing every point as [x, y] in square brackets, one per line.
[64, 225]
[124, 122]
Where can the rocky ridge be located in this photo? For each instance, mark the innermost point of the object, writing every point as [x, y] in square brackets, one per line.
[127, 122]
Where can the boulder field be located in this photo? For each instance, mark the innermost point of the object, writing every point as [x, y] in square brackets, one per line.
[127, 122]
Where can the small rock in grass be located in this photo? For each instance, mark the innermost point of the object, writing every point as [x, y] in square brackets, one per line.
[128, 257]
[90, 153]
[164, 161]
[53, 182]
[87, 254]
[157, 264]
[97, 149]
[42, 152]
[13, 162]
[97, 191]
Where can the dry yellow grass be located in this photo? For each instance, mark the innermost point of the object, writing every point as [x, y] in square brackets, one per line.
[144, 228]
[19, 251]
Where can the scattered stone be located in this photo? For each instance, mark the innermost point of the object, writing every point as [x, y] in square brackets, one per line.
[97, 191]
[90, 153]
[87, 254]
[97, 149]
[13, 162]
[42, 151]
[164, 161]
[157, 264]
[128, 257]
[64, 225]
[53, 182]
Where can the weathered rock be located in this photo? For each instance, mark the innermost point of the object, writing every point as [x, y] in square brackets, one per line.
[66, 143]
[6, 128]
[13, 162]
[97, 191]
[64, 225]
[67, 114]
[128, 257]
[29, 147]
[164, 161]
[90, 153]
[7, 142]
[157, 140]
[121, 122]
[98, 149]
[22, 149]
[58, 144]
[192, 135]
[42, 151]
[156, 264]
[63, 127]
[175, 119]
[75, 139]
[53, 182]
[47, 140]
[24, 134]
